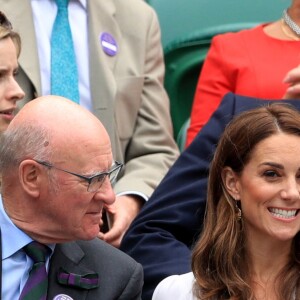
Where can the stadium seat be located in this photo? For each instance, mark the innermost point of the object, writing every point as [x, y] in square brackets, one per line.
[181, 137]
[179, 18]
[184, 59]
[187, 29]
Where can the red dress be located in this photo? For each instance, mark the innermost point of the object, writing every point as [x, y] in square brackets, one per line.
[248, 63]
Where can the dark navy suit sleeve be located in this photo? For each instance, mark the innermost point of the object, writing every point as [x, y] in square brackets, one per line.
[163, 233]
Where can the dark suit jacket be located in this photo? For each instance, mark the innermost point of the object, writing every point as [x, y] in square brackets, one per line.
[120, 277]
[162, 235]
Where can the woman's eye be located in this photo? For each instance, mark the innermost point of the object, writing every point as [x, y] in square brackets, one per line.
[271, 174]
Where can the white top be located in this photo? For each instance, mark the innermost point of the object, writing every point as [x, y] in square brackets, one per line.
[179, 287]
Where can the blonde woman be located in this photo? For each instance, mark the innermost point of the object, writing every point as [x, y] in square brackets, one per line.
[10, 91]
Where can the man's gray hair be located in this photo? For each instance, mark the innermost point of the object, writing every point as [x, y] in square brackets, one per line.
[21, 142]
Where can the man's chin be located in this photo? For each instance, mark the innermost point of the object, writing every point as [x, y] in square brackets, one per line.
[91, 233]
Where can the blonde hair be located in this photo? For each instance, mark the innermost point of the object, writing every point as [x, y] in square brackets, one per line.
[219, 260]
[6, 31]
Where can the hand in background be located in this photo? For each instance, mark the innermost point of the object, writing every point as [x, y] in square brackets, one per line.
[121, 213]
[293, 79]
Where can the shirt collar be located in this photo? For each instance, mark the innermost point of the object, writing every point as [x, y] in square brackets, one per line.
[83, 3]
[14, 238]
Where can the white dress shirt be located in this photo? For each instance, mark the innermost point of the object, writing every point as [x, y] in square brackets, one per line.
[43, 23]
[15, 263]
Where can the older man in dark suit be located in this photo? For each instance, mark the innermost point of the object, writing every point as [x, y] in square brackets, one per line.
[57, 171]
[162, 235]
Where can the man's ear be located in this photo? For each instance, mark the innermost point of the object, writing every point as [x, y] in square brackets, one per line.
[30, 175]
[231, 182]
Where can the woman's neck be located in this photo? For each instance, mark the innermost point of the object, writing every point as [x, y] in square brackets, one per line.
[294, 12]
[267, 258]
[280, 29]
[267, 254]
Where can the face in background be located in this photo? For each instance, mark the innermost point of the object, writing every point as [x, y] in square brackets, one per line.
[268, 188]
[10, 91]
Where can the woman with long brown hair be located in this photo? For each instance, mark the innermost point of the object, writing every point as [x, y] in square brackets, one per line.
[250, 244]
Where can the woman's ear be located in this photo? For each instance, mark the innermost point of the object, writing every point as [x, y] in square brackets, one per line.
[30, 175]
[231, 182]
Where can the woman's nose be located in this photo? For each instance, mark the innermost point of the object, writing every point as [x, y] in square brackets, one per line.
[291, 190]
[15, 92]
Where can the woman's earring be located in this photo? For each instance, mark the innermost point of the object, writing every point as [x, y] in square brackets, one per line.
[238, 214]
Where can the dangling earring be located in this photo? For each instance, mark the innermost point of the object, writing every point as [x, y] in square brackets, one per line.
[238, 214]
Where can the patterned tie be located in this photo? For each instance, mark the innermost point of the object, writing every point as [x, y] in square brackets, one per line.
[64, 74]
[37, 282]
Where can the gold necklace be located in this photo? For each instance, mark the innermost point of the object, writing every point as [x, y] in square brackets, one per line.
[290, 35]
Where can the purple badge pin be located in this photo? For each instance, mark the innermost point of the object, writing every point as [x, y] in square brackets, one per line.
[109, 44]
[62, 297]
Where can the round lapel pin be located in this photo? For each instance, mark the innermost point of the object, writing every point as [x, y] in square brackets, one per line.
[109, 44]
[62, 297]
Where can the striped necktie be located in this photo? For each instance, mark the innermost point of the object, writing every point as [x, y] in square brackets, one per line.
[37, 283]
[64, 74]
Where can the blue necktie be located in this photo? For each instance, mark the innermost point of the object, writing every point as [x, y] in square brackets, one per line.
[64, 74]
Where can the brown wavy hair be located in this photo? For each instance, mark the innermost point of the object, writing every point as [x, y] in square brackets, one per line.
[219, 260]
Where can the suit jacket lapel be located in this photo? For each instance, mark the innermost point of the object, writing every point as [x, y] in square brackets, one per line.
[21, 13]
[102, 16]
[101, 64]
[67, 256]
